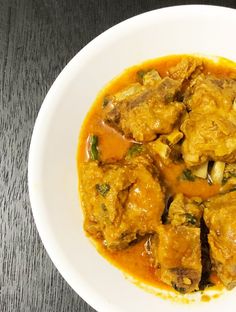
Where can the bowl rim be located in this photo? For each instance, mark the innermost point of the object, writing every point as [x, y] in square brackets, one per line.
[83, 290]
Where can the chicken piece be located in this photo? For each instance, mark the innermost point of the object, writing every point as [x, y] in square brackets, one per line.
[185, 68]
[141, 112]
[209, 137]
[210, 128]
[189, 212]
[185, 211]
[121, 201]
[176, 247]
[177, 254]
[208, 93]
[219, 216]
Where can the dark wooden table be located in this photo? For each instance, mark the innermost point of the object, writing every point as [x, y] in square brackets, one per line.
[37, 39]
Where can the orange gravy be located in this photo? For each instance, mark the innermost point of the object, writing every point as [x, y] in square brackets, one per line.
[112, 145]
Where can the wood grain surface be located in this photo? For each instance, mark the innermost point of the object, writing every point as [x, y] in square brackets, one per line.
[37, 39]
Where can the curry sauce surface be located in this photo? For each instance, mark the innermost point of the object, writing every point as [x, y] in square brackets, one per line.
[134, 260]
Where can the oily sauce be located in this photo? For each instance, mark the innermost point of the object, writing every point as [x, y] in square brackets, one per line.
[112, 145]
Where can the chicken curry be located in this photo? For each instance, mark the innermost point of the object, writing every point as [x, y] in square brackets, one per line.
[157, 172]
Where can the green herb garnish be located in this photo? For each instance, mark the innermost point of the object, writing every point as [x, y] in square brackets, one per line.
[187, 175]
[182, 290]
[105, 101]
[93, 148]
[104, 208]
[190, 219]
[141, 73]
[135, 150]
[103, 189]
[224, 180]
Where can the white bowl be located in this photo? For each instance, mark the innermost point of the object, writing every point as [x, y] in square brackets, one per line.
[53, 181]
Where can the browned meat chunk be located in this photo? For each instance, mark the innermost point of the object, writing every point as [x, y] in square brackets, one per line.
[121, 201]
[185, 68]
[206, 94]
[141, 112]
[176, 247]
[185, 211]
[210, 127]
[219, 216]
[177, 254]
[209, 137]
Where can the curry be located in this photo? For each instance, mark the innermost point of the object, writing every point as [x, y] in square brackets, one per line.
[157, 172]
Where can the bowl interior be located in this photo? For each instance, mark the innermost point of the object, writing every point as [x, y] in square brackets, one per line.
[53, 182]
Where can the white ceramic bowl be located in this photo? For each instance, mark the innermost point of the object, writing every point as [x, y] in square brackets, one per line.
[53, 181]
